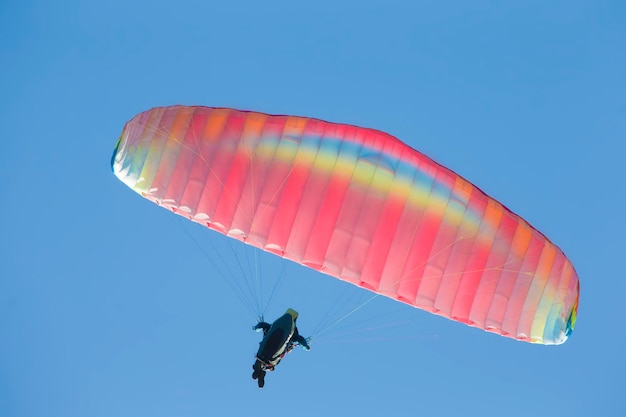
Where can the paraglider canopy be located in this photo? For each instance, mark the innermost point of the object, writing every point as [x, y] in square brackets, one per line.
[356, 204]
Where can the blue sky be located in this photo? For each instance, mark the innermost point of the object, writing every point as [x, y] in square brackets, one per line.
[109, 308]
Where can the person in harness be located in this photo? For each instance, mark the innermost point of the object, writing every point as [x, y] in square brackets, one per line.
[279, 338]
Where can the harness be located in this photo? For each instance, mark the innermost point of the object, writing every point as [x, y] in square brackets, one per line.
[272, 363]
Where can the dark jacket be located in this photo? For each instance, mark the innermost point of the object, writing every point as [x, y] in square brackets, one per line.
[279, 339]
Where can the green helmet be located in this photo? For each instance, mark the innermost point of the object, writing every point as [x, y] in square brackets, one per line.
[293, 313]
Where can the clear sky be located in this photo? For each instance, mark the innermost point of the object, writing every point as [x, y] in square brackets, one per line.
[109, 308]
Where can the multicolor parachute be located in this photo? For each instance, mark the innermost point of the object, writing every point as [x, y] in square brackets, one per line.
[357, 204]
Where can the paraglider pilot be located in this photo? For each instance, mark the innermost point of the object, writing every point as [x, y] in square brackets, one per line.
[279, 338]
